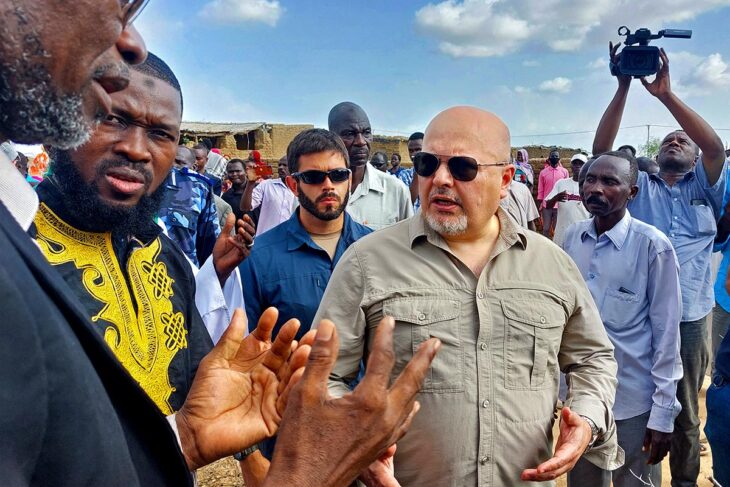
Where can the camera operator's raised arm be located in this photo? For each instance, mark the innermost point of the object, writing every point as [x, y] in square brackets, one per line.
[696, 128]
[611, 120]
[713, 151]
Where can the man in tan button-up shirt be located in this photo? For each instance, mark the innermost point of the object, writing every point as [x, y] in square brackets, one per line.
[509, 307]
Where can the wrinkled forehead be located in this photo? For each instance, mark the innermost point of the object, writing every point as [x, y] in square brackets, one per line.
[349, 117]
[607, 165]
[678, 135]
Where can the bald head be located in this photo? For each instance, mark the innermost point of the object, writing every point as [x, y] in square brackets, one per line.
[469, 131]
[345, 113]
[351, 124]
[184, 157]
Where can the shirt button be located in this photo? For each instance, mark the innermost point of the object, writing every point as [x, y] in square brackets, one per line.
[480, 295]
[591, 275]
[675, 217]
[675, 199]
[485, 403]
[483, 460]
[421, 317]
[543, 320]
[483, 346]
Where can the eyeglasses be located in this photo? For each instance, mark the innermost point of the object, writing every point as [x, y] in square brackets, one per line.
[131, 10]
[462, 168]
[317, 177]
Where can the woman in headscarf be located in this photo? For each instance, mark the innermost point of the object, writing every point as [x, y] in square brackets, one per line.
[523, 170]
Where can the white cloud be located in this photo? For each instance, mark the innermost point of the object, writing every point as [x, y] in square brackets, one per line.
[241, 11]
[709, 75]
[484, 28]
[557, 85]
[599, 63]
[531, 63]
[522, 90]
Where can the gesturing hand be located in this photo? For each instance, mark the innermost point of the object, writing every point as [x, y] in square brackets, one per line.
[661, 86]
[229, 251]
[657, 444]
[350, 432]
[575, 434]
[236, 399]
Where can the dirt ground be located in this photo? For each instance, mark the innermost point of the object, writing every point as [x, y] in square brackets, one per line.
[226, 473]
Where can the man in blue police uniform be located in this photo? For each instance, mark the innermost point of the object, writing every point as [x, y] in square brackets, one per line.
[188, 209]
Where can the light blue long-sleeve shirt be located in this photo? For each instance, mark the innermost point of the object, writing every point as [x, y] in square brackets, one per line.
[687, 213]
[633, 275]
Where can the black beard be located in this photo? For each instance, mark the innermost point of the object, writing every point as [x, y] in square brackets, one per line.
[84, 204]
[329, 215]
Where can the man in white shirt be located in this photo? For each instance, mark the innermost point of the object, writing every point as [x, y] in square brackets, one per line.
[565, 192]
[276, 200]
[377, 199]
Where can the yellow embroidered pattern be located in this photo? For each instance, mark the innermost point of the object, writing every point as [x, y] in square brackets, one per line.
[145, 342]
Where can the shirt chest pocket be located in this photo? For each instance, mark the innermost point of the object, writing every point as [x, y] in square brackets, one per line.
[618, 308]
[704, 220]
[417, 320]
[532, 336]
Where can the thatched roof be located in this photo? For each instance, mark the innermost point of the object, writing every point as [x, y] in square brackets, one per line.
[213, 129]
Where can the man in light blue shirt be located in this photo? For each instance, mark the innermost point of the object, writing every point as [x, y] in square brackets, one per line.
[633, 275]
[683, 201]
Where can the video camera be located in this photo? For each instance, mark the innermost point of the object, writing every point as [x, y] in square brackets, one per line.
[642, 60]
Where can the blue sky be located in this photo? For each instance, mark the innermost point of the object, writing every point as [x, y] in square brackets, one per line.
[541, 65]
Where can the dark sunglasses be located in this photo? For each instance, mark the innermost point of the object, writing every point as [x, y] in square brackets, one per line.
[131, 10]
[317, 177]
[462, 168]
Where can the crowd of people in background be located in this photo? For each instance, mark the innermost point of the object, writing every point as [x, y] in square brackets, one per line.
[340, 313]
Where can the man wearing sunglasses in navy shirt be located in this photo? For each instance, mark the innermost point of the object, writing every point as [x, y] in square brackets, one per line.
[291, 264]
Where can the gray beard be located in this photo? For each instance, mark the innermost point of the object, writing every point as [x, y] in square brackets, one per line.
[32, 110]
[450, 228]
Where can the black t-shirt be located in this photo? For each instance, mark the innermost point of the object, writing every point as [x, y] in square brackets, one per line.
[233, 198]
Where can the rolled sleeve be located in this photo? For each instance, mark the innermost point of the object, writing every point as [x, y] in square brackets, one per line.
[716, 192]
[665, 313]
[342, 304]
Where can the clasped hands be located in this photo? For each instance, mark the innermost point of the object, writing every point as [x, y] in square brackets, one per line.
[243, 386]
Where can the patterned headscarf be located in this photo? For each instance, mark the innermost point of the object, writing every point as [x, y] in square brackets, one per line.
[525, 167]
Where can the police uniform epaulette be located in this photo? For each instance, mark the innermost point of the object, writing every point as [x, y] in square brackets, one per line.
[195, 176]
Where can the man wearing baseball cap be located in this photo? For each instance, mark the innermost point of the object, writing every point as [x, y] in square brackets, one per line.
[565, 192]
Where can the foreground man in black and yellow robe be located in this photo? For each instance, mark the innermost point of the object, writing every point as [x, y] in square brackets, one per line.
[95, 225]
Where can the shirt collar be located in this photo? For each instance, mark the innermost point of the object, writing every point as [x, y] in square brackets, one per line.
[373, 179]
[510, 233]
[16, 194]
[298, 235]
[690, 175]
[617, 235]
